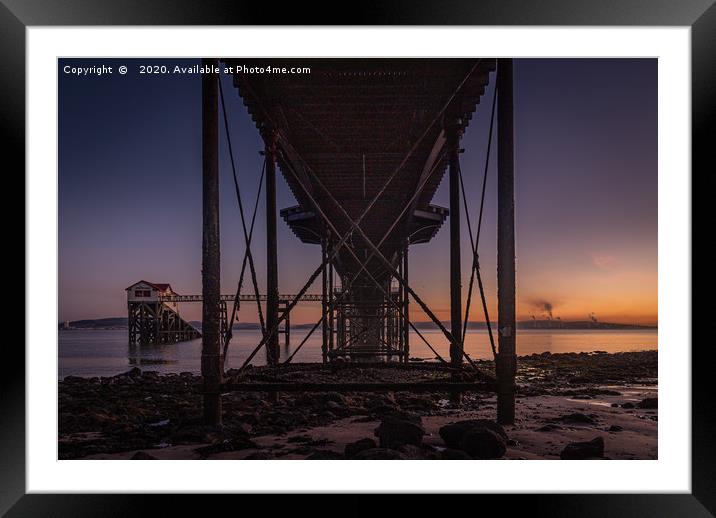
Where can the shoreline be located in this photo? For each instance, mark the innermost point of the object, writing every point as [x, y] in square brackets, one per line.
[160, 415]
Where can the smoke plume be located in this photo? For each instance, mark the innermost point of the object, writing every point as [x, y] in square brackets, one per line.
[544, 305]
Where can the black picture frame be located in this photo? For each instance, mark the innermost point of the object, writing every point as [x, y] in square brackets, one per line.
[700, 15]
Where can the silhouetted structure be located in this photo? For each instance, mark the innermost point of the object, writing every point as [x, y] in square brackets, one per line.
[363, 145]
[153, 317]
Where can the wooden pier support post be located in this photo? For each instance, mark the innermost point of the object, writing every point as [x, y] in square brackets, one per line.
[210, 271]
[506, 361]
[453, 142]
[272, 345]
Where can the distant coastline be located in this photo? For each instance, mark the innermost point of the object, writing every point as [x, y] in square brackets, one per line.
[121, 323]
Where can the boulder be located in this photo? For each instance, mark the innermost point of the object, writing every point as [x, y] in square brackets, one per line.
[550, 427]
[394, 431]
[649, 403]
[379, 454]
[352, 449]
[411, 452]
[452, 454]
[593, 449]
[483, 443]
[452, 433]
[628, 405]
[615, 428]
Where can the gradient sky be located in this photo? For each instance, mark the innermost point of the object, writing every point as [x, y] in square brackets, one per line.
[586, 193]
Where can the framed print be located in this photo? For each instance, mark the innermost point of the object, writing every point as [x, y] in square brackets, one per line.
[429, 234]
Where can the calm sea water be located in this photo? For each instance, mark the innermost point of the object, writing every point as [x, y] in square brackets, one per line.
[106, 353]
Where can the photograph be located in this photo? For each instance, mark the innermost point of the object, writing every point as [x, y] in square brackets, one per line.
[357, 258]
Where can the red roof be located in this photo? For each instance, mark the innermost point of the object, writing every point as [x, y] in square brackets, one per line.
[160, 286]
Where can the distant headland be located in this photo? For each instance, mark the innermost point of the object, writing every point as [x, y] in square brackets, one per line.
[121, 323]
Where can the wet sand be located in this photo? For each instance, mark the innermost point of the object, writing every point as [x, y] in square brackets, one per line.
[159, 416]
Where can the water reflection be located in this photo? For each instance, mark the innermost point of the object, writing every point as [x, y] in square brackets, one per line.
[105, 353]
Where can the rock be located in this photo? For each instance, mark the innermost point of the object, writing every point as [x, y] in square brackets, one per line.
[615, 405]
[142, 455]
[483, 443]
[134, 372]
[379, 454]
[551, 427]
[615, 428]
[628, 405]
[648, 403]
[452, 454]
[452, 433]
[336, 397]
[192, 433]
[352, 449]
[380, 401]
[394, 431]
[593, 449]
[576, 418]
[411, 452]
[325, 455]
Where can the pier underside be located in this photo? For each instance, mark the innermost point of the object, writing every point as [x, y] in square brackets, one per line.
[363, 145]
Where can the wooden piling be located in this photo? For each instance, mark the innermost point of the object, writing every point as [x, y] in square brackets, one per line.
[210, 272]
[506, 361]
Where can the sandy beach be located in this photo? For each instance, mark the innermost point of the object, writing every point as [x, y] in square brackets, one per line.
[608, 399]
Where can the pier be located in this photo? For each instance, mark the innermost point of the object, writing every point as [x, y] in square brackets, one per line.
[363, 145]
[153, 314]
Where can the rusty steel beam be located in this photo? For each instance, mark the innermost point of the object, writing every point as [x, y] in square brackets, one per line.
[453, 145]
[331, 299]
[406, 304]
[211, 368]
[272, 298]
[324, 303]
[433, 386]
[506, 361]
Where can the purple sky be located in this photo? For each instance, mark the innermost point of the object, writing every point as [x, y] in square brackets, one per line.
[586, 193]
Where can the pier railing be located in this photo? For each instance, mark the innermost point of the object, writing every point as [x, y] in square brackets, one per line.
[307, 297]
